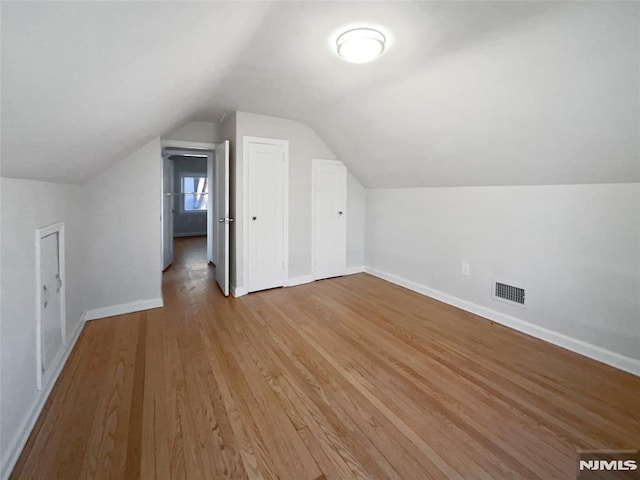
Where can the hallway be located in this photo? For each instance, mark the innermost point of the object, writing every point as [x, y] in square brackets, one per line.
[189, 260]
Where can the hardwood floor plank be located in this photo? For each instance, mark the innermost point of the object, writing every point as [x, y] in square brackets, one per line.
[346, 378]
[106, 447]
[355, 403]
[384, 359]
[310, 381]
[221, 458]
[453, 422]
[275, 430]
[379, 406]
[323, 443]
[241, 429]
[148, 447]
[169, 400]
[134, 440]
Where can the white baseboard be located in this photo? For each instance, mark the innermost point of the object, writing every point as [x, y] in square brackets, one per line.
[353, 270]
[123, 308]
[20, 439]
[292, 282]
[237, 291]
[594, 352]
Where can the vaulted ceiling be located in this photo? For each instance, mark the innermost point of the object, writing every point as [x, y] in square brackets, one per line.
[476, 93]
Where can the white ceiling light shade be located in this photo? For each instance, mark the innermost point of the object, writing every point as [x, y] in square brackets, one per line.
[360, 45]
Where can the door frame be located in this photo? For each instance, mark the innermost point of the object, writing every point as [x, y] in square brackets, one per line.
[246, 140]
[176, 147]
[315, 163]
[39, 235]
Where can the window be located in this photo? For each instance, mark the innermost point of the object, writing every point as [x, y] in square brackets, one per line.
[194, 192]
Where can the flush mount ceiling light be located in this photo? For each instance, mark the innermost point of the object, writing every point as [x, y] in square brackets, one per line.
[360, 45]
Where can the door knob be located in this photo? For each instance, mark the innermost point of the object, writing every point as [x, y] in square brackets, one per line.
[254, 218]
[339, 213]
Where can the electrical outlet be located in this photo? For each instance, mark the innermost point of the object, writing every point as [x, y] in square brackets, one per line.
[465, 269]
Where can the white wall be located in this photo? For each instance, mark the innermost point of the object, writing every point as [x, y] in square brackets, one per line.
[304, 145]
[25, 206]
[206, 132]
[123, 233]
[576, 250]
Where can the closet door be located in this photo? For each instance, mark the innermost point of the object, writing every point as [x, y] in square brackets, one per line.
[50, 295]
[329, 212]
[266, 213]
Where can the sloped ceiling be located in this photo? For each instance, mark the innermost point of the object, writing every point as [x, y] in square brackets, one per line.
[475, 93]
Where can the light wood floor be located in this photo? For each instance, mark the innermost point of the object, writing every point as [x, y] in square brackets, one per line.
[345, 378]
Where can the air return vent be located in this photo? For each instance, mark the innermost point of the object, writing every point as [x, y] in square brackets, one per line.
[508, 293]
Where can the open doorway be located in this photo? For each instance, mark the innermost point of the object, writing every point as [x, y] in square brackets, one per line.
[195, 209]
[187, 198]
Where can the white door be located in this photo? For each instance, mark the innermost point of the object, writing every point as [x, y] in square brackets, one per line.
[266, 203]
[168, 199]
[221, 254]
[50, 304]
[50, 283]
[329, 193]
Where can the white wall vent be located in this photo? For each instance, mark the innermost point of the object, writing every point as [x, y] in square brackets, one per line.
[508, 293]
